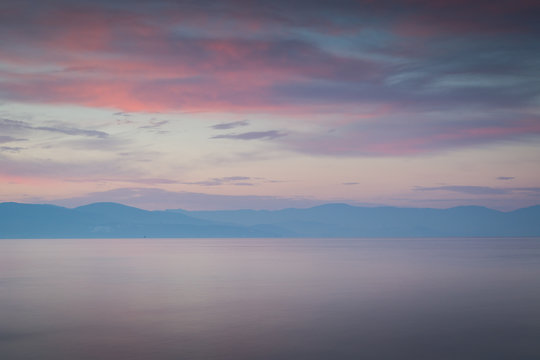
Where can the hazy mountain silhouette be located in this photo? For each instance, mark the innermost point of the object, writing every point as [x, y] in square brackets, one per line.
[102, 220]
[341, 220]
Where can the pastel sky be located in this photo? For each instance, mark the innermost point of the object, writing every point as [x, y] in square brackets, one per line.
[270, 104]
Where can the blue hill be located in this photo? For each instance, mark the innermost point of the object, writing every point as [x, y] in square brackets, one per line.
[104, 220]
[111, 220]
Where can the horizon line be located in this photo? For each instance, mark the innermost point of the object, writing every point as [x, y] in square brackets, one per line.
[270, 210]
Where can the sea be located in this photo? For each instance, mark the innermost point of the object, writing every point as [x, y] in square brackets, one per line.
[271, 299]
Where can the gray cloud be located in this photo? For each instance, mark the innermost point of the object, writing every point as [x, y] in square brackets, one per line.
[11, 148]
[416, 133]
[472, 190]
[5, 139]
[235, 178]
[72, 131]
[253, 135]
[7, 125]
[68, 170]
[146, 181]
[108, 144]
[480, 190]
[154, 124]
[505, 178]
[223, 181]
[230, 125]
[350, 183]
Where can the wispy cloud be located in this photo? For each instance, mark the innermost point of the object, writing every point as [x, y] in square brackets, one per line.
[424, 133]
[134, 180]
[253, 135]
[10, 125]
[36, 168]
[234, 178]
[11, 148]
[230, 125]
[464, 189]
[5, 139]
[154, 124]
[479, 190]
[505, 178]
[234, 181]
[228, 180]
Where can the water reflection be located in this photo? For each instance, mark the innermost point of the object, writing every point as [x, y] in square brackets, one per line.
[270, 299]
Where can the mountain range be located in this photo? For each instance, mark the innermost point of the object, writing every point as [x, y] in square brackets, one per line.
[112, 220]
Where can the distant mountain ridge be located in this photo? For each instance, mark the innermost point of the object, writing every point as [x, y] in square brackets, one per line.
[113, 220]
[109, 220]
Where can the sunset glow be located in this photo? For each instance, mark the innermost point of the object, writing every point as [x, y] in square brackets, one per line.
[233, 104]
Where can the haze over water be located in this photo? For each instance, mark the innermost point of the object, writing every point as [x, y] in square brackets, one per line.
[270, 299]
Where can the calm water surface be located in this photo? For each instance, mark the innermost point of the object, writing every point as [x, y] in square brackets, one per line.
[270, 299]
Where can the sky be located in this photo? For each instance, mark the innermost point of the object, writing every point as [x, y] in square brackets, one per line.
[270, 104]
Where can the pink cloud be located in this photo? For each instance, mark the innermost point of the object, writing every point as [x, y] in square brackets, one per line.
[380, 138]
[191, 74]
[128, 60]
[107, 58]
